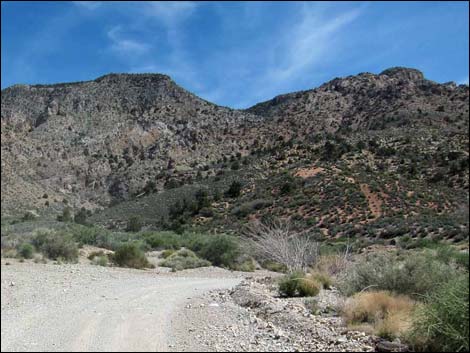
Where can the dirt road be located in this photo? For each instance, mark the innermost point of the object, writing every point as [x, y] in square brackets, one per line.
[89, 308]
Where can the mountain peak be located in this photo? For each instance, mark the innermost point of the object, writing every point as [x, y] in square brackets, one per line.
[403, 73]
[133, 77]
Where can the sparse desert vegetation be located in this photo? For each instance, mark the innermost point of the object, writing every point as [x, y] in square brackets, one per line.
[365, 218]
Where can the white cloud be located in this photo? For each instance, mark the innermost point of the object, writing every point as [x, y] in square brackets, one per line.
[273, 62]
[309, 42]
[171, 13]
[89, 5]
[125, 46]
[305, 41]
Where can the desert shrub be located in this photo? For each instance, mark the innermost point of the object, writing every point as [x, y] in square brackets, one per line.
[289, 283]
[286, 188]
[100, 237]
[234, 189]
[274, 266]
[296, 284]
[249, 207]
[415, 275]
[130, 255]
[94, 254]
[100, 260]
[26, 251]
[247, 266]
[184, 259]
[163, 240]
[442, 323]
[10, 253]
[244, 264]
[449, 254]
[308, 287]
[323, 278]
[206, 212]
[279, 241]
[333, 264]
[56, 245]
[66, 215]
[167, 253]
[29, 216]
[81, 216]
[220, 250]
[134, 224]
[85, 235]
[38, 259]
[380, 313]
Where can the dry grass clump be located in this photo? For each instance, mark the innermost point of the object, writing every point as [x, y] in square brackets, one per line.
[296, 284]
[333, 264]
[380, 313]
[322, 278]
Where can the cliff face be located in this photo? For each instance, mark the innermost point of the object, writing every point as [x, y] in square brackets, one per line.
[108, 140]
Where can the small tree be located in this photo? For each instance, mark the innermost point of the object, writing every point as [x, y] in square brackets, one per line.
[234, 190]
[66, 215]
[277, 241]
[81, 216]
[202, 199]
[134, 224]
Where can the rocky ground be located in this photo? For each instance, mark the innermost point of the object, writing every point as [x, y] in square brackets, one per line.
[251, 317]
[51, 307]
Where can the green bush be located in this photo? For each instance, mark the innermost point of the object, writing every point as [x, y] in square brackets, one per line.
[250, 207]
[163, 240]
[442, 323]
[66, 215]
[289, 283]
[234, 190]
[167, 253]
[81, 216]
[87, 235]
[449, 254]
[274, 266]
[100, 261]
[26, 251]
[184, 259]
[296, 284]
[56, 245]
[323, 278]
[220, 250]
[414, 275]
[308, 287]
[134, 224]
[247, 265]
[130, 255]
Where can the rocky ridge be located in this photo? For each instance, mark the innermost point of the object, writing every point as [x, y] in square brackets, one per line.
[97, 143]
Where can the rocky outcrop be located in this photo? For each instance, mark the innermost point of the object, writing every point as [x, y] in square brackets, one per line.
[103, 141]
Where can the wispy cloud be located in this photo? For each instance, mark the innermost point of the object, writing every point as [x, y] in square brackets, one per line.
[175, 60]
[171, 13]
[89, 5]
[125, 46]
[307, 40]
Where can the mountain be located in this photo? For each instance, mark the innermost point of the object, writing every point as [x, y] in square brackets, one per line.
[348, 155]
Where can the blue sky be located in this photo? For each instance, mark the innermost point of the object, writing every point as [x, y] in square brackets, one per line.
[232, 53]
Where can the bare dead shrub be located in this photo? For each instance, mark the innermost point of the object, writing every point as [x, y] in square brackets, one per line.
[278, 241]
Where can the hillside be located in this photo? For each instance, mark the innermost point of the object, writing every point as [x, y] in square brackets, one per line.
[378, 157]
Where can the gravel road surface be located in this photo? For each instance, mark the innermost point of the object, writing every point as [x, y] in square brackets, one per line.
[47, 307]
